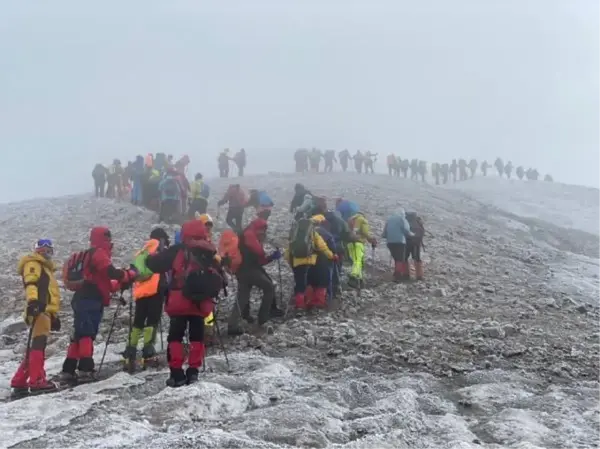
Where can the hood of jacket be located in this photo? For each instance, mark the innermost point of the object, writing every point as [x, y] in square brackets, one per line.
[35, 257]
[400, 212]
[100, 237]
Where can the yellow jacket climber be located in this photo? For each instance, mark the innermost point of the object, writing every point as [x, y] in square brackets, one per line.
[319, 246]
[39, 281]
[360, 226]
[42, 297]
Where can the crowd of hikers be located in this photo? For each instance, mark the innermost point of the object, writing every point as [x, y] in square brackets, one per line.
[184, 277]
[458, 170]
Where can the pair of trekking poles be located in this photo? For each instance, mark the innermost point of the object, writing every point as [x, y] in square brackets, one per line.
[160, 327]
[111, 329]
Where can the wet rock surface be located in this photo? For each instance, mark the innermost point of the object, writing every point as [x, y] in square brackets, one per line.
[493, 349]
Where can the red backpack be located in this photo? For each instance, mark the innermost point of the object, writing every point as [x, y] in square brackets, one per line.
[73, 274]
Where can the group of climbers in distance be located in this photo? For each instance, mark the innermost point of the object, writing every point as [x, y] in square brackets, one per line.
[186, 277]
[456, 170]
[159, 183]
[310, 160]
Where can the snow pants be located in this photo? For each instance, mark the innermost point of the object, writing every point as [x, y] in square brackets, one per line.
[145, 324]
[87, 315]
[31, 372]
[300, 278]
[248, 278]
[356, 253]
[176, 355]
[136, 193]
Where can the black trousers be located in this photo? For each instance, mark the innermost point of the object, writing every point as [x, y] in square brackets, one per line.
[234, 217]
[318, 275]
[148, 311]
[398, 251]
[300, 278]
[179, 324]
[197, 205]
[413, 249]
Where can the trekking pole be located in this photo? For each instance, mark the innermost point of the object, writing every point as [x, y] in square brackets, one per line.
[339, 276]
[222, 346]
[160, 330]
[130, 322]
[280, 282]
[110, 331]
[29, 338]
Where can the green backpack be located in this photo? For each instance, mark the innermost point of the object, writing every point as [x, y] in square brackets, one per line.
[301, 238]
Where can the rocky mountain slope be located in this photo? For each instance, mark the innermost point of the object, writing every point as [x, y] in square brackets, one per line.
[497, 348]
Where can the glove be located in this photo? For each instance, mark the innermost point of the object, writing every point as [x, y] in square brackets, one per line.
[55, 323]
[226, 261]
[130, 274]
[34, 308]
[275, 255]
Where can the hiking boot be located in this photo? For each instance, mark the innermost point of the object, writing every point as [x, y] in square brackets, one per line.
[86, 376]
[19, 392]
[42, 387]
[129, 359]
[248, 318]
[276, 313]
[177, 378]
[235, 331]
[191, 375]
[354, 282]
[151, 362]
[68, 377]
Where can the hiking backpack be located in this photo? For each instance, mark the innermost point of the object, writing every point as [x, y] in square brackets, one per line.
[204, 191]
[229, 247]
[73, 271]
[200, 279]
[416, 224]
[171, 188]
[301, 238]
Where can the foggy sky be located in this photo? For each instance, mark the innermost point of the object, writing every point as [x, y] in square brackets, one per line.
[82, 82]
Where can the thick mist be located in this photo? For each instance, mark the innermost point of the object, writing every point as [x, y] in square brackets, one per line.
[85, 82]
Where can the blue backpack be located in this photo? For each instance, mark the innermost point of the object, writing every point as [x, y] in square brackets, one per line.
[205, 191]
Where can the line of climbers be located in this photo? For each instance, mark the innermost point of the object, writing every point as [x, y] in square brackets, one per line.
[457, 170]
[187, 277]
[310, 160]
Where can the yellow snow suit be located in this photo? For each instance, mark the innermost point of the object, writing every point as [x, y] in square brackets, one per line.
[40, 284]
[356, 250]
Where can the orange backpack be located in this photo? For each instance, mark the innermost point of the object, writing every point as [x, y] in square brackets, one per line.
[229, 246]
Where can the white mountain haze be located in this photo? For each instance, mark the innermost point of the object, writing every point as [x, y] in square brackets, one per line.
[498, 347]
